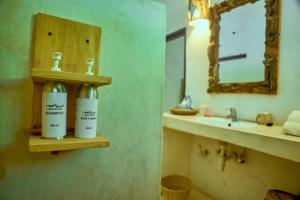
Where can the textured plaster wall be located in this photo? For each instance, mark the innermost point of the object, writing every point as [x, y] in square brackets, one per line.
[248, 181]
[132, 52]
[183, 154]
[261, 171]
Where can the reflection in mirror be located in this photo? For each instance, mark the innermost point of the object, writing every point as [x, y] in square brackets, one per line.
[242, 47]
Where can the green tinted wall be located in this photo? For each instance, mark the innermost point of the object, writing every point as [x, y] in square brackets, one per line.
[130, 110]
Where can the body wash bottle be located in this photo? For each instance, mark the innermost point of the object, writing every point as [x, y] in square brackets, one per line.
[87, 108]
[54, 106]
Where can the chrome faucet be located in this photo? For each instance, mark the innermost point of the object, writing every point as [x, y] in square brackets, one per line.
[232, 114]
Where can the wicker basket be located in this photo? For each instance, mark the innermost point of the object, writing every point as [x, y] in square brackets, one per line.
[175, 187]
[178, 111]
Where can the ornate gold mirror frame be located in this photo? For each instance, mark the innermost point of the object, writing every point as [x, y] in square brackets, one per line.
[269, 84]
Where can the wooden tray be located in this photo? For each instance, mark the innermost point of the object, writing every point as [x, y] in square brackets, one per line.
[179, 111]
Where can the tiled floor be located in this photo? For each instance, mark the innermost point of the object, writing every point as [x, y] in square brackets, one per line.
[196, 195]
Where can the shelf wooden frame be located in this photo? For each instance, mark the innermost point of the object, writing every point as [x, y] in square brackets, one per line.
[77, 42]
[38, 144]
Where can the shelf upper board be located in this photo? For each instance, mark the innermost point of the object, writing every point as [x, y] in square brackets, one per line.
[43, 76]
[37, 144]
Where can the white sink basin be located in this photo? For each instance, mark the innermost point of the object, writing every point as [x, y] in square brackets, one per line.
[223, 122]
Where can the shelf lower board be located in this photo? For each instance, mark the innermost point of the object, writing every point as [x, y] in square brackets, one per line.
[37, 144]
[43, 76]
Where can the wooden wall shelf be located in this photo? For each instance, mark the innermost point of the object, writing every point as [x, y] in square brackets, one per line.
[77, 42]
[42, 76]
[37, 144]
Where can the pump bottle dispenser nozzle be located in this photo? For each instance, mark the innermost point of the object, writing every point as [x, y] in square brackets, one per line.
[56, 56]
[90, 63]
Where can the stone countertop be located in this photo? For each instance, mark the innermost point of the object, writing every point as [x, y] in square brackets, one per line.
[270, 140]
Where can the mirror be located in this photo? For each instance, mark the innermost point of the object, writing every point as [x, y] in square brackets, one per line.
[242, 37]
[244, 43]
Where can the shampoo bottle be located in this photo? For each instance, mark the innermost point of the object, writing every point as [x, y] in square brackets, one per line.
[54, 106]
[87, 106]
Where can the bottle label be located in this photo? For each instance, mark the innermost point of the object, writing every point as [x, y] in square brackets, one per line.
[54, 114]
[86, 118]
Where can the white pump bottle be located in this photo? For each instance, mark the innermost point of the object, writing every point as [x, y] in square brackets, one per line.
[87, 108]
[54, 106]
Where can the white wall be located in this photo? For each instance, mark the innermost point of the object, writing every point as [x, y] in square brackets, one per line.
[248, 181]
[261, 171]
[177, 16]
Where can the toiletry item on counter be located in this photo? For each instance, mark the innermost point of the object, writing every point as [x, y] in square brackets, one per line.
[291, 128]
[186, 103]
[185, 107]
[204, 111]
[87, 108]
[208, 114]
[264, 118]
[294, 116]
[292, 125]
[54, 106]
